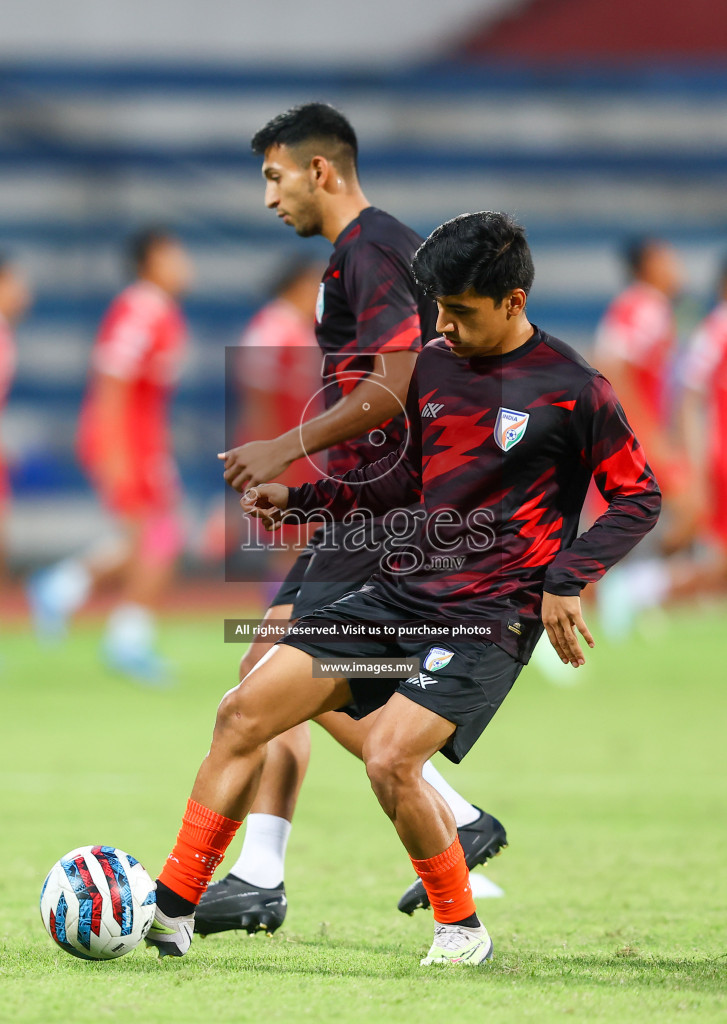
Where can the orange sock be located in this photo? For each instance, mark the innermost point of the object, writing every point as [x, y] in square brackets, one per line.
[201, 844]
[446, 879]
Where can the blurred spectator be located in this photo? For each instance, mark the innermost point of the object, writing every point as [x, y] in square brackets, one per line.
[14, 301]
[636, 344]
[125, 449]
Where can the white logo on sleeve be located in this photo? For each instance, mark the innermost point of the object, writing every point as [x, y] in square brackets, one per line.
[432, 409]
[320, 302]
[437, 658]
[510, 428]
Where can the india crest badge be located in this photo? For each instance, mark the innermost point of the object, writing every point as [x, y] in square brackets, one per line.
[510, 428]
[437, 658]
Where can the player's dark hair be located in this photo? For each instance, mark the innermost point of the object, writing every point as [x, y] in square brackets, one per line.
[635, 250]
[290, 273]
[319, 124]
[486, 251]
[141, 243]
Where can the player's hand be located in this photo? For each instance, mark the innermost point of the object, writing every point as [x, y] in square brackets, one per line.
[561, 618]
[267, 502]
[255, 462]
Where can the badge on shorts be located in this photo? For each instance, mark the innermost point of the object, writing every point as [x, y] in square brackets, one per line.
[510, 428]
[437, 658]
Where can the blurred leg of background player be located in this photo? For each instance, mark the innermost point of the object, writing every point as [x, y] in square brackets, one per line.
[140, 565]
[125, 448]
[252, 895]
[640, 586]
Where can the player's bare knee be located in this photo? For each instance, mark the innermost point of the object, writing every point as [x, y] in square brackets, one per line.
[238, 725]
[389, 771]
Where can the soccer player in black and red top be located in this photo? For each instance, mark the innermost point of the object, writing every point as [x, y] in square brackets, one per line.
[508, 425]
[371, 322]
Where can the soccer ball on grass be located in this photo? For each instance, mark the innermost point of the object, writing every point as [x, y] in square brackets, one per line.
[97, 902]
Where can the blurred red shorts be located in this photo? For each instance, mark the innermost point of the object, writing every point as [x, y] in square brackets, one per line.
[152, 489]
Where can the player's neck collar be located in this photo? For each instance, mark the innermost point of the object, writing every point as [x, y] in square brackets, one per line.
[341, 237]
[480, 362]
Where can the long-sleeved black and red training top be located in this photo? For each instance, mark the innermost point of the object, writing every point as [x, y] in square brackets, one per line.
[500, 455]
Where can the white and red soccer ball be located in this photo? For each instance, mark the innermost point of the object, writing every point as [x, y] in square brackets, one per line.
[97, 902]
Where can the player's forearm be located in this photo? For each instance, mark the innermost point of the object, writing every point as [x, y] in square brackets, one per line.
[117, 462]
[112, 412]
[391, 482]
[692, 430]
[603, 437]
[370, 404]
[627, 520]
[366, 407]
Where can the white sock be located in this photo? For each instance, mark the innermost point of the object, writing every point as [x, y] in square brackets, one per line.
[69, 584]
[483, 887]
[131, 626]
[464, 813]
[262, 858]
[648, 583]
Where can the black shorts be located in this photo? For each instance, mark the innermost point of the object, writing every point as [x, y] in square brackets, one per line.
[464, 682]
[325, 571]
[288, 590]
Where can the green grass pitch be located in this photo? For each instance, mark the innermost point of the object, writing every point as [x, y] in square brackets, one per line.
[613, 793]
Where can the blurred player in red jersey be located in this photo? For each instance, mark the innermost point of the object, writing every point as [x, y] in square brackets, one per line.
[125, 448]
[635, 349]
[277, 373]
[704, 416]
[14, 301]
[704, 422]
